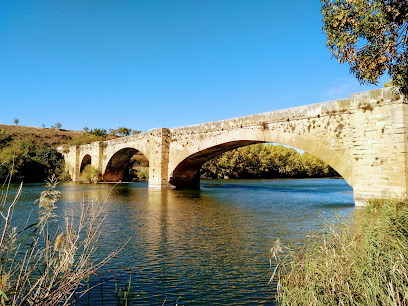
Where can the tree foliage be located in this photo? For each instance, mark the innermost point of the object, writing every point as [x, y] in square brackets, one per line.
[124, 131]
[26, 162]
[5, 138]
[265, 161]
[91, 174]
[99, 132]
[371, 36]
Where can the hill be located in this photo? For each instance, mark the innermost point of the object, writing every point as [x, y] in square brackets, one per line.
[40, 136]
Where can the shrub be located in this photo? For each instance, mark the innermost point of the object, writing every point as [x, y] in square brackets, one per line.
[90, 174]
[5, 138]
[99, 132]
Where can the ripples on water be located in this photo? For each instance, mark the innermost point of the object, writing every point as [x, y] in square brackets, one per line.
[200, 247]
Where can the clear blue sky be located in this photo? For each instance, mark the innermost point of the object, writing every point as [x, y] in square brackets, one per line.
[147, 64]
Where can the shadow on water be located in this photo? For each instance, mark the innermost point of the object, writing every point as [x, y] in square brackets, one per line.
[206, 246]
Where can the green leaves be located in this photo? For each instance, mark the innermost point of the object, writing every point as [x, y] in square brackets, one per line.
[28, 162]
[371, 36]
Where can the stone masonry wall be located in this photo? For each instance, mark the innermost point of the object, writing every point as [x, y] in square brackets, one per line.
[363, 137]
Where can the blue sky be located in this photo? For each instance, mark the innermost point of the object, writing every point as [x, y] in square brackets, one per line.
[147, 64]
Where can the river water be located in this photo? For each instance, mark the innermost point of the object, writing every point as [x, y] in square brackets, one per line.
[198, 247]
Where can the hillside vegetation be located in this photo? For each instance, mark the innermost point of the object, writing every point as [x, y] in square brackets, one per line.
[28, 153]
[38, 136]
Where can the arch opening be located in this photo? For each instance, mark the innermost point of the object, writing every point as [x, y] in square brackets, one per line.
[266, 161]
[186, 168]
[86, 160]
[127, 165]
[187, 173]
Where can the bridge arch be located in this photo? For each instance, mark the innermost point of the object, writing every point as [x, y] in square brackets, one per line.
[86, 160]
[117, 167]
[184, 170]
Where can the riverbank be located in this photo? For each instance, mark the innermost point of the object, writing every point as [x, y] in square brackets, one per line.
[366, 264]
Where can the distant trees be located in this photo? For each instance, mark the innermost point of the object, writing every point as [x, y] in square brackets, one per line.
[16, 121]
[99, 132]
[124, 131]
[57, 125]
[112, 132]
[86, 129]
[265, 161]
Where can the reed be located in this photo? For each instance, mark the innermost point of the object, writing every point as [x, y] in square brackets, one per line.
[366, 265]
[44, 263]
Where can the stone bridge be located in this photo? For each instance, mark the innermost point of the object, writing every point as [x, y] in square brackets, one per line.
[363, 137]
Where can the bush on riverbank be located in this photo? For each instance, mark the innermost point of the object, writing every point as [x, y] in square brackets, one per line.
[90, 174]
[27, 162]
[367, 265]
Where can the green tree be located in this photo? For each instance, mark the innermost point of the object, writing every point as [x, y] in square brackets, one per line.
[371, 36]
[26, 162]
[58, 125]
[99, 132]
[86, 129]
[124, 131]
[16, 121]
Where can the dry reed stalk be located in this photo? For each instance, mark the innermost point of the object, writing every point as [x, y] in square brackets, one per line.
[49, 262]
[338, 267]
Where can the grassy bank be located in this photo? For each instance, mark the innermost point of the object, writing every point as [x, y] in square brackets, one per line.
[366, 264]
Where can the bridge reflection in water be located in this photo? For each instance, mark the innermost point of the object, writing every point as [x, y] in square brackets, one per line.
[206, 246]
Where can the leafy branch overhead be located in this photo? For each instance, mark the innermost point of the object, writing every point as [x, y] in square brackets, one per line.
[371, 36]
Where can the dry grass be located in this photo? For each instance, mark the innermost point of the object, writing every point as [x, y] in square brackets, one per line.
[49, 136]
[40, 136]
[368, 266]
[44, 263]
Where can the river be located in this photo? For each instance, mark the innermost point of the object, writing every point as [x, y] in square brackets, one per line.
[198, 247]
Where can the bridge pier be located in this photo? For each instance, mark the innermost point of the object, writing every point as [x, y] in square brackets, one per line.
[159, 158]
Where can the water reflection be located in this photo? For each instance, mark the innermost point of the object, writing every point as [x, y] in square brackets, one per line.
[207, 246]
